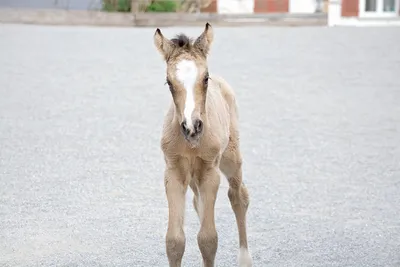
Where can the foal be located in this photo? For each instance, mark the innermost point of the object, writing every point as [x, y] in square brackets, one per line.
[200, 138]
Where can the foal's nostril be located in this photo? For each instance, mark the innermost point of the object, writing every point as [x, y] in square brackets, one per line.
[198, 126]
[184, 128]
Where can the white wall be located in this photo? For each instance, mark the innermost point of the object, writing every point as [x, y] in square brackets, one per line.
[302, 6]
[235, 6]
[334, 12]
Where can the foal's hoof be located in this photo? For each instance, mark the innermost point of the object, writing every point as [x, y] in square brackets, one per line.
[244, 258]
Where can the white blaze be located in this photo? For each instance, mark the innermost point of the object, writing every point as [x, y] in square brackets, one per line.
[186, 73]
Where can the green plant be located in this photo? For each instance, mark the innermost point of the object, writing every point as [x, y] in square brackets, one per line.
[124, 5]
[162, 6]
[117, 5]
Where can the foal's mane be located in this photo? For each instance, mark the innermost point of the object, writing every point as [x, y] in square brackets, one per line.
[188, 44]
[182, 41]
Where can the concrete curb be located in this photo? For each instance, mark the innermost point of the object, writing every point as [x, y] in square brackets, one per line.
[99, 18]
[65, 17]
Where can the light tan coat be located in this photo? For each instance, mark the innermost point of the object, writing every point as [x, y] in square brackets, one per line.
[195, 160]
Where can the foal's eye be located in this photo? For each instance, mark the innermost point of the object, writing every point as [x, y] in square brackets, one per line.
[206, 80]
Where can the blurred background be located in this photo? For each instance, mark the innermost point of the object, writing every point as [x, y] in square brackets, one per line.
[189, 6]
[193, 12]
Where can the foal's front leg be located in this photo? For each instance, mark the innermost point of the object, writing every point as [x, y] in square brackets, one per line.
[207, 237]
[175, 188]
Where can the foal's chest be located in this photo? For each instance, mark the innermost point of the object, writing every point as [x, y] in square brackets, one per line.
[197, 166]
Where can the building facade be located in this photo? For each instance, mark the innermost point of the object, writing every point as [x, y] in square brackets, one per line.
[364, 13]
[266, 6]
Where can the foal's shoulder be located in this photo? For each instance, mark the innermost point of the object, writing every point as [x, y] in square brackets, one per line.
[225, 88]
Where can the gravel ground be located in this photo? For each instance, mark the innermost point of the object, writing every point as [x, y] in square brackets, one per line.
[81, 171]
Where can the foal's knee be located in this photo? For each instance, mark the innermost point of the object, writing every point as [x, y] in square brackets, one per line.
[175, 244]
[239, 196]
[244, 195]
[208, 243]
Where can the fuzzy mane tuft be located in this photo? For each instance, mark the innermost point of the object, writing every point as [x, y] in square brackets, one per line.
[182, 40]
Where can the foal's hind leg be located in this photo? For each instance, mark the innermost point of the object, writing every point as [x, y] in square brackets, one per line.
[205, 188]
[231, 167]
[204, 201]
[196, 199]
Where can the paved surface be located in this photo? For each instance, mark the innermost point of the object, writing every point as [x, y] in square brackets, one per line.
[81, 174]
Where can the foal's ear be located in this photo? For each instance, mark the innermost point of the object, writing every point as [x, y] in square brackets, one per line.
[204, 41]
[163, 45]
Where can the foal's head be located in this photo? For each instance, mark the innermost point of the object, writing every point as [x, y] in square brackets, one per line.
[187, 77]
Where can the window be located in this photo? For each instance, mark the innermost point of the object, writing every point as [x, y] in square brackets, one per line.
[379, 8]
[370, 5]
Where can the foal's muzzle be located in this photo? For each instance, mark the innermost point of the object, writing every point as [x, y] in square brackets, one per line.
[193, 132]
